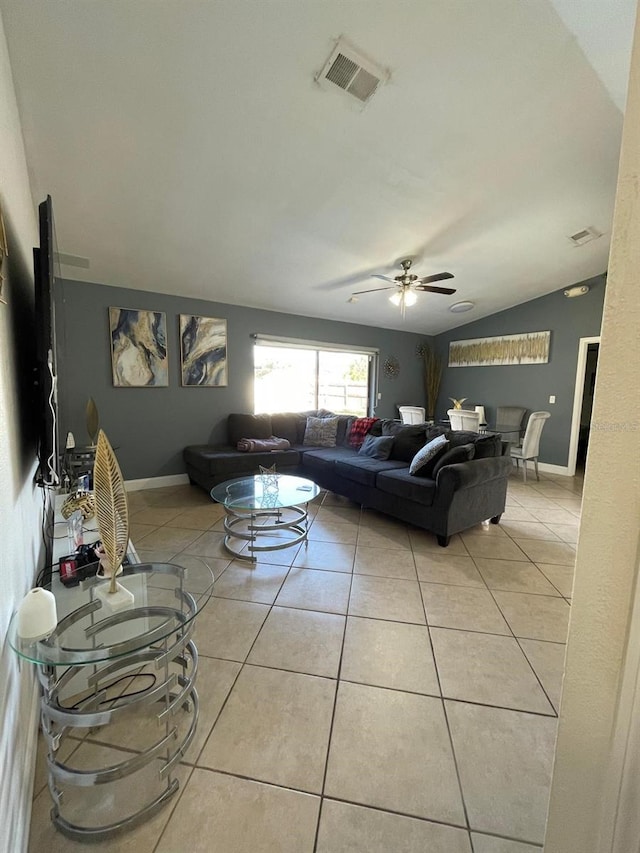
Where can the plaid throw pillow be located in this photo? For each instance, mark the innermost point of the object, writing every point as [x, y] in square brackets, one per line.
[321, 432]
[359, 428]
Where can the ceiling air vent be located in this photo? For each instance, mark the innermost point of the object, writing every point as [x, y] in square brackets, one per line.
[585, 236]
[352, 72]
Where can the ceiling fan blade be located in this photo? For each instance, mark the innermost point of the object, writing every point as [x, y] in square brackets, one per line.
[375, 290]
[440, 276]
[385, 278]
[427, 288]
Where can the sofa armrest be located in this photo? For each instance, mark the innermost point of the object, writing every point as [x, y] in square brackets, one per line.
[465, 475]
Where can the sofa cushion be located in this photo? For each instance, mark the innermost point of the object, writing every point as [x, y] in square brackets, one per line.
[322, 459]
[427, 454]
[488, 446]
[463, 453]
[321, 432]
[485, 445]
[364, 469]
[409, 438]
[402, 484]
[289, 425]
[377, 447]
[248, 426]
[228, 461]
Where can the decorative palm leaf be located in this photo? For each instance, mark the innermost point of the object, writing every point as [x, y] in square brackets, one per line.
[457, 404]
[93, 420]
[112, 513]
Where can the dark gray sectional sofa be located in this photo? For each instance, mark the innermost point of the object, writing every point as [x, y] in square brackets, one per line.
[460, 495]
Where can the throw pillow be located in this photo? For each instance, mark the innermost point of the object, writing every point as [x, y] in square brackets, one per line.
[321, 432]
[377, 447]
[428, 452]
[463, 453]
[409, 439]
[487, 446]
[359, 428]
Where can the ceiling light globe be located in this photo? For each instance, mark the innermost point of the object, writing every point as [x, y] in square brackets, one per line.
[410, 298]
[396, 298]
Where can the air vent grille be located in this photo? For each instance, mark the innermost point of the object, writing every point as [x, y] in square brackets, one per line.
[351, 72]
[363, 85]
[342, 71]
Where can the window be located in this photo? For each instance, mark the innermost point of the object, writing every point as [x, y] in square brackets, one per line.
[294, 377]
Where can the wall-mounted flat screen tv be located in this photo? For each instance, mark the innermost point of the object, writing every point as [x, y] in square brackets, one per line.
[46, 410]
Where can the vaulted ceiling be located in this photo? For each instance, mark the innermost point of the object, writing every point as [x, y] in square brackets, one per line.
[189, 150]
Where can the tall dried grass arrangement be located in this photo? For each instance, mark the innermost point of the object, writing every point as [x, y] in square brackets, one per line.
[112, 513]
[432, 364]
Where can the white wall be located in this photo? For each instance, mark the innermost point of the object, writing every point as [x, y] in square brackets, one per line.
[594, 795]
[20, 501]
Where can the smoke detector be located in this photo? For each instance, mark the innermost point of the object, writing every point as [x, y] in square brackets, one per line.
[347, 69]
[585, 236]
[461, 307]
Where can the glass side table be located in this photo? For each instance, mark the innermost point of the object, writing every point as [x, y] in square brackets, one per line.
[264, 512]
[119, 705]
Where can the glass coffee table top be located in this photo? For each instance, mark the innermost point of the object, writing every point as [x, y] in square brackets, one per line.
[166, 598]
[261, 492]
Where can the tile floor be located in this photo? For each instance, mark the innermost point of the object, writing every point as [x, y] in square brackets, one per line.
[370, 692]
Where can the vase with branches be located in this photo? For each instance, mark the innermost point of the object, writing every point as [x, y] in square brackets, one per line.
[432, 375]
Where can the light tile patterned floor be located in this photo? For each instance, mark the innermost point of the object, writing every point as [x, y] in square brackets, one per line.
[370, 692]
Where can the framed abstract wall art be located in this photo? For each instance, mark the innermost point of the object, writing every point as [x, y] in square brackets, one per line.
[529, 348]
[203, 351]
[138, 348]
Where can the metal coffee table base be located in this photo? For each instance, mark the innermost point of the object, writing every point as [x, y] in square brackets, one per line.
[291, 522]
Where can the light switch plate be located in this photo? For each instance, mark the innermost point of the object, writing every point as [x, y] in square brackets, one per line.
[552, 398]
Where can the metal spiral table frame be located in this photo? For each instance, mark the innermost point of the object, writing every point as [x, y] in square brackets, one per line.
[251, 502]
[89, 652]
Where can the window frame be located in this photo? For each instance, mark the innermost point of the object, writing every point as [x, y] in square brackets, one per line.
[372, 353]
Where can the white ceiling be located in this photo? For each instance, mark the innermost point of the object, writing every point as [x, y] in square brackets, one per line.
[188, 149]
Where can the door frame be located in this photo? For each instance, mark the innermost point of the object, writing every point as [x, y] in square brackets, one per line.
[578, 394]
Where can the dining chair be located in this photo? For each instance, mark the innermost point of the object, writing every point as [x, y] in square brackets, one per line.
[464, 419]
[412, 414]
[530, 443]
[510, 416]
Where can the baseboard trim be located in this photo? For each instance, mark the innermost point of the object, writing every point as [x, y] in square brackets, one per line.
[156, 482]
[548, 468]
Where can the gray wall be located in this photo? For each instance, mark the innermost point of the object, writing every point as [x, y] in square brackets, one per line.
[529, 385]
[150, 426]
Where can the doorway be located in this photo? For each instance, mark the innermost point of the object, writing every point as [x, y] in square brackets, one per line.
[588, 350]
[588, 388]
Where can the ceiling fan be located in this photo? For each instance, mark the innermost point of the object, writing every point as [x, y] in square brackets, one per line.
[407, 284]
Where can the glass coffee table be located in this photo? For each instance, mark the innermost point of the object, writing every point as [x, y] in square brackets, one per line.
[264, 512]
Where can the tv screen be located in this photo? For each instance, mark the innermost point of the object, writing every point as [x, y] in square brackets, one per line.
[46, 375]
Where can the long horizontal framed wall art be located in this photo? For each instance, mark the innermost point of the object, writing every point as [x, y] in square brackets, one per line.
[528, 348]
[138, 348]
[203, 351]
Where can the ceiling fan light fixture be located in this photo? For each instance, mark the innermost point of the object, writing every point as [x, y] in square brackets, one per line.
[461, 307]
[410, 298]
[396, 298]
